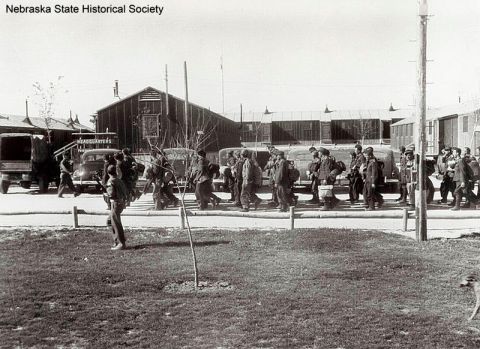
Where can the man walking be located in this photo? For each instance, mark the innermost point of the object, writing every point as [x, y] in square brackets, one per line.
[270, 167]
[312, 169]
[66, 170]
[248, 182]
[355, 174]
[282, 181]
[444, 168]
[327, 165]
[202, 181]
[370, 190]
[228, 179]
[237, 174]
[117, 193]
[462, 177]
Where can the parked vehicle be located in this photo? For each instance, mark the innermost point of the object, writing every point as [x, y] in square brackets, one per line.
[261, 156]
[302, 157]
[90, 168]
[180, 159]
[26, 159]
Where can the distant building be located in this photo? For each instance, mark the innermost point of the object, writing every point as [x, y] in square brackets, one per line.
[60, 130]
[142, 119]
[456, 125]
[318, 127]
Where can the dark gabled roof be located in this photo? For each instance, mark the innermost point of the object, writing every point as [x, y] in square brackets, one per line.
[35, 123]
[161, 92]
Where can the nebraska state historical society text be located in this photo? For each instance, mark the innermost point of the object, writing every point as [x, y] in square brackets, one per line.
[87, 9]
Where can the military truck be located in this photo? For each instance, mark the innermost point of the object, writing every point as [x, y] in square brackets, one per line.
[26, 159]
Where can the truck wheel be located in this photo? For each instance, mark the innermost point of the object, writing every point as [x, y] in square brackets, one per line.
[4, 185]
[43, 184]
[25, 184]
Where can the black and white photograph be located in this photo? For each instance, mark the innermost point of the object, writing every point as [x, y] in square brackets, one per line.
[239, 174]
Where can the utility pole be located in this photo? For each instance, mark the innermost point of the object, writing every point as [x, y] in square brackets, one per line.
[223, 87]
[186, 104]
[166, 91]
[420, 194]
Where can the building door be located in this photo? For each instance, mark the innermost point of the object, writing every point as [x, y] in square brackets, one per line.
[448, 131]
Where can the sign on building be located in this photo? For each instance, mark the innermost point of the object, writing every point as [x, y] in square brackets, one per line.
[150, 126]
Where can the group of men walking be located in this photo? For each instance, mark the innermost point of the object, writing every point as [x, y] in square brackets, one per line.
[364, 177]
[459, 171]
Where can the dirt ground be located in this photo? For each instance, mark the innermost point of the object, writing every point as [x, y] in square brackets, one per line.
[315, 288]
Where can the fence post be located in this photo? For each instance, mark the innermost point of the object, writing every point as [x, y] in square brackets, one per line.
[405, 219]
[292, 217]
[182, 217]
[75, 217]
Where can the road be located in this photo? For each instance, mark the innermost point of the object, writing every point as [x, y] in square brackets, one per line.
[29, 201]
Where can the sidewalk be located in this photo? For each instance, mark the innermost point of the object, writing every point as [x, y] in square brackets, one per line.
[443, 223]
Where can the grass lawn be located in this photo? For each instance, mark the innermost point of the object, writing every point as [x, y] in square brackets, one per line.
[303, 289]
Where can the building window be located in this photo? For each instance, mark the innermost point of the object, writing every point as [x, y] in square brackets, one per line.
[430, 127]
[465, 123]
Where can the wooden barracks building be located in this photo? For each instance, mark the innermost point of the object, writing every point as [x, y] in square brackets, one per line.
[148, 117]
[318, 127]
[61, 131]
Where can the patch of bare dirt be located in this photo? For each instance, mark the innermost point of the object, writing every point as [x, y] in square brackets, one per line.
[203, 286]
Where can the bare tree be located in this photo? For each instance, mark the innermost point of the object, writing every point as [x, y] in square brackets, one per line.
[45, 98]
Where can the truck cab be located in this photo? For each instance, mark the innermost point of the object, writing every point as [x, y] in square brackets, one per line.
[26, 159]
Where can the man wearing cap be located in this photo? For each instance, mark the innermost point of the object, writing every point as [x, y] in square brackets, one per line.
[406, 175]
[202, 180]
[370, 189]
[327, 165]
[462, 177]
[446, 171]
[282, 181]
[270, 167]
[312, 173]
[248, 182]
[237, 174]
[402, 180]
[356, 175]
[118, 195]
[228, 179]
[66, 170]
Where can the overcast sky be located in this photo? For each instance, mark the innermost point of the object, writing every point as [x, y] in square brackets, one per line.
[288, 55]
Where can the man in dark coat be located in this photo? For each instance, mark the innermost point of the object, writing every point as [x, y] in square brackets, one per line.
[462, 177]
[446, 171]
[66, 171]
[202, 181]
[370, 189]
[270, 167]
[237, 174]
[327, 165]
[117, 193]
[282, 181]
[312, 173]
[403, 183]
[356, 179]
[228, 179]
[248, 182]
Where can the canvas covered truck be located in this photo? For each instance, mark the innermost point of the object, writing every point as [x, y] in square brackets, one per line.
[26, 159]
